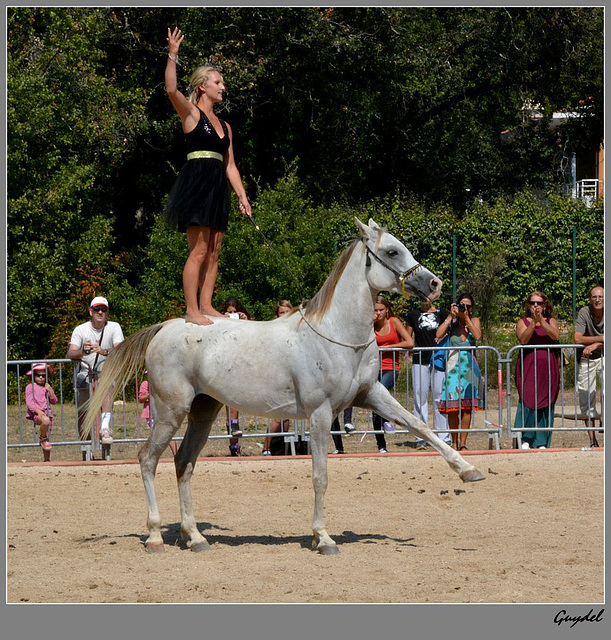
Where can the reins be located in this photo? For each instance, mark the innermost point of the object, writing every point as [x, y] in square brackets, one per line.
[341, 344]
[400, 275]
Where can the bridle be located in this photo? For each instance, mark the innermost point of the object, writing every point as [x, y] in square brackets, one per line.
[401, 275]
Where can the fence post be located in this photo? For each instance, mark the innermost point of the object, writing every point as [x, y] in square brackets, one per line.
[574, 274]
[453, 266]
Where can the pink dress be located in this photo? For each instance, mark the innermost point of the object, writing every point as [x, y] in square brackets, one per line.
[146, 405]
[36, 397]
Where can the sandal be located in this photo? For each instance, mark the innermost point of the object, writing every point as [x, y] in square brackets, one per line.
[463, 448]
[45, 444]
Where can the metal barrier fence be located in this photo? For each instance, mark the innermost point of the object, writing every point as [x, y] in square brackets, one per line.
[551, 366]
[129, 427]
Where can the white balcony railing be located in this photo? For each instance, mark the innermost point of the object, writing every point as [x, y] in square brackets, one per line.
[587, 190]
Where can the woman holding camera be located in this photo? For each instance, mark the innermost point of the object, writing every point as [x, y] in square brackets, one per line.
[537, 371]
[459, 391]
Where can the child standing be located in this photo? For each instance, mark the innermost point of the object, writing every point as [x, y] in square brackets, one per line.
[145, 397]
[39, 396]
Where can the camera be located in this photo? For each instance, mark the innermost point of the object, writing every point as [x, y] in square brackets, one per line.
[461, 307]
[234, 316]
[87, 351]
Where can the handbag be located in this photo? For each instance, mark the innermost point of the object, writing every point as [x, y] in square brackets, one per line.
[440, 356]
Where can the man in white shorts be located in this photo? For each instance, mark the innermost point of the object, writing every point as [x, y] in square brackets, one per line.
[91, 342]
[590, 332]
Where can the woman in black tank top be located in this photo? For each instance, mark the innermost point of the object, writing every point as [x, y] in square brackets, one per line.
[199, 200]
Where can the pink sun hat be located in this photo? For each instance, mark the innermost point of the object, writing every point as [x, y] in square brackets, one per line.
[40, 366]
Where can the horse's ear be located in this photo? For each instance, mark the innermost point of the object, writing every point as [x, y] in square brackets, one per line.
[374, 225]
[365, 230]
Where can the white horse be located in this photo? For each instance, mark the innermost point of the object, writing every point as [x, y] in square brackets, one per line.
[326, 356]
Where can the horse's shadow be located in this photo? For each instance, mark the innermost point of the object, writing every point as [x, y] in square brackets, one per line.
[172, 536]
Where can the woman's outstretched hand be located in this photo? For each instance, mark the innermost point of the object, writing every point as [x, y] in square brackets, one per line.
[174, 39]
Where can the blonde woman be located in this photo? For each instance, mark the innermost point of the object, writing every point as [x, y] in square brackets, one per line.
[198, 203]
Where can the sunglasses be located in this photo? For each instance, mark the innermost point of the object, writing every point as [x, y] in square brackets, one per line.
[100, 309]
[40, 375]
[539, 302]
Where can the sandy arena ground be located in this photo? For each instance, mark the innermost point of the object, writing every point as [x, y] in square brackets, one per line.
[409, 531]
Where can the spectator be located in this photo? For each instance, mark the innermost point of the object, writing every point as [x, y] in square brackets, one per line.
[277, 425]
[198, 203]
[537, 371]
[459, 391]
[233, 308]
[145, 398]
[422, 325]
[389, 332]
[91, 342]
[348, 428]
[39, 396]
[590, 332]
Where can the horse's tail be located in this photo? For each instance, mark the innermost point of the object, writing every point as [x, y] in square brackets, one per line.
[122, 363]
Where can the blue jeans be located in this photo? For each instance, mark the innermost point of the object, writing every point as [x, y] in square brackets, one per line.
[387, 377]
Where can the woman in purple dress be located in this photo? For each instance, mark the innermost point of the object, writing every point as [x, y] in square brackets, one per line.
[537, 371]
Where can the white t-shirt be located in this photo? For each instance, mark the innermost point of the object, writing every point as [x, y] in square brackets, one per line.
[84, 332]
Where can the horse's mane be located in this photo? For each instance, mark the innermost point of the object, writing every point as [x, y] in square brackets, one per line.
[319, 304]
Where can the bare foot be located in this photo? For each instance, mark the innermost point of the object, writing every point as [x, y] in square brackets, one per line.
[211, 311]
[198, 318]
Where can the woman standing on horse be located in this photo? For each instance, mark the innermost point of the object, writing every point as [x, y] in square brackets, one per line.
[199, 200]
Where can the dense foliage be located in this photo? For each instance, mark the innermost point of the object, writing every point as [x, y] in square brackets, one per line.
[393, 113]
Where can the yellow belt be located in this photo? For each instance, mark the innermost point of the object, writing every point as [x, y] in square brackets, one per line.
[204, 154]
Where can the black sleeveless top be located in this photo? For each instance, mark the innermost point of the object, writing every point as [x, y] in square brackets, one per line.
[200, 195]
[205, 138]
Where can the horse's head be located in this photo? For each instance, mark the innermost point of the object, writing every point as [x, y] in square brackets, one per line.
[393, 268]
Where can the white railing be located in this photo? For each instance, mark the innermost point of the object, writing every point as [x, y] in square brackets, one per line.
[587, 190]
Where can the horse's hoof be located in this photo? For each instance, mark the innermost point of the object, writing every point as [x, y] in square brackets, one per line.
[328, 550]
[472, 475]
[200, 546]
[154, 547]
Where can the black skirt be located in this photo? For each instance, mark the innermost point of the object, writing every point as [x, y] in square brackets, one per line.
[200, 196]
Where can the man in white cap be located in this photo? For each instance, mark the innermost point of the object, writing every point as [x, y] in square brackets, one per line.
[91, 342]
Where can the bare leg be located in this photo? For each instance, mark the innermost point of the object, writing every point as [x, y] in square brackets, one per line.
[465, 423]
[199, 246]
[209, 270]
[453, 425]
[320, 429]
[44, 422]
[592, 434]
[274, 427]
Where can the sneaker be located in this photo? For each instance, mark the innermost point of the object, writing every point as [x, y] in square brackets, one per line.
[388, 427]
[349, 427]
[105, 436]
[383, 450]
[542, 447]
[337, 451]
[267, 452]
[234, 450]
[235, 430]
[45, 444]
[594, 444]
[525, 445]
[422, 444]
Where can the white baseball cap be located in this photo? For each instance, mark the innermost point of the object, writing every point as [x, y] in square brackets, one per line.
[98, 302]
